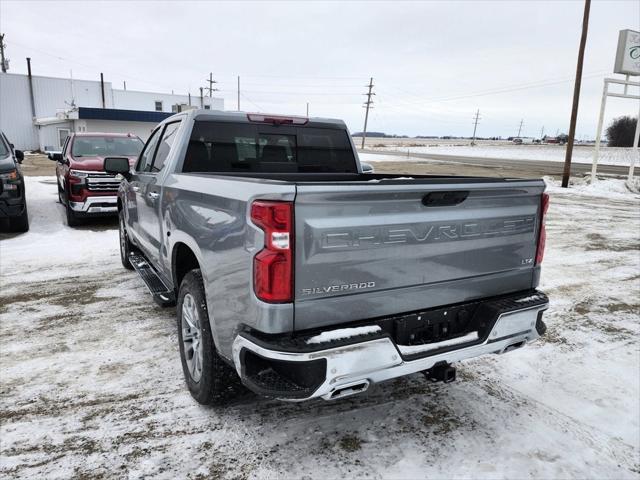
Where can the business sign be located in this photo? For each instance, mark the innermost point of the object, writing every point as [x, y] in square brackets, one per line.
[628, 55]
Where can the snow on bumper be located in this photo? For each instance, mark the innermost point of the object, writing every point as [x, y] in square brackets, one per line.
[350, 369]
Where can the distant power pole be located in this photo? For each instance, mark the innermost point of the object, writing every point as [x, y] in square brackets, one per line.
[2, 47]
[520, 127]
[210, 88]
[367, 104]
[238, 92]
[125, 84]
[542, 132]
[201, 98]
[576, 96]
[307, 109]
[475, 126]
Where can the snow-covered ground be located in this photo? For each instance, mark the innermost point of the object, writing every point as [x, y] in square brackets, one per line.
[91, 384]
[551, 153]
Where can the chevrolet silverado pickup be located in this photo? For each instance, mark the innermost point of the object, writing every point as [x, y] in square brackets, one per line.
[304, 278]
[84, 188]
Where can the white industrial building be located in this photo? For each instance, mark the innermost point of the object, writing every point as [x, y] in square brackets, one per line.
[40, 116]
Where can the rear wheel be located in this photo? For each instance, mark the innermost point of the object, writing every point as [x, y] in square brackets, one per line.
[125, 243]
[209, 379]
[20, 223]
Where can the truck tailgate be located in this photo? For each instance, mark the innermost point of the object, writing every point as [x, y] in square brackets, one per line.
[369, 249]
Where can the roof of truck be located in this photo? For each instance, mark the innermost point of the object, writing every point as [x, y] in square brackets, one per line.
[240, 116]
[104, 134]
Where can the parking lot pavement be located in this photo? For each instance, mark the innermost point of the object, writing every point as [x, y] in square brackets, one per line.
[91, 383]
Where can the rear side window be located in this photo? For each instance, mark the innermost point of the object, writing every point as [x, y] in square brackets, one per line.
[164, 147]
[244, 147]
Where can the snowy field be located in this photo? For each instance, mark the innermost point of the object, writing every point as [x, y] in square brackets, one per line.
[91, 384]
[551, 153]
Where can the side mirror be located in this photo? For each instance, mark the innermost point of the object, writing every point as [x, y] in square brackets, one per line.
[55, 156]
[117, 165]
[19, 155]
[366, 167]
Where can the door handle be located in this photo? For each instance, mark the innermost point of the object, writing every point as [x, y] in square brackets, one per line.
[445, 199]
[153, 195]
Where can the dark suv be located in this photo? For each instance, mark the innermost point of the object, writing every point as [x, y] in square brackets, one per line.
[84, 188]
[13, 204]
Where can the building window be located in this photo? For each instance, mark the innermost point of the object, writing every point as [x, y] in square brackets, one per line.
[63, 133]
[207, 107]
[158, 106]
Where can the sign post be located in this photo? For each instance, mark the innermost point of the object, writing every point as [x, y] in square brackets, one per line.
[627, 63]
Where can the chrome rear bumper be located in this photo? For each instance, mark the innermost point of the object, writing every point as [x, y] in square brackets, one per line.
[350, 369]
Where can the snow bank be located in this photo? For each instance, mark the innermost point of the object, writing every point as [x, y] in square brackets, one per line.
[607, 188]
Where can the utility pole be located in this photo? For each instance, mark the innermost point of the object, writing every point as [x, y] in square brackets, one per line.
[367, 104]
[307, 109]
[475, 126]
[210, 88]
[576, 96]
[2, 47]
[201, 99]
[104, 105]
[238, 92]
[125, 84]
[33, 102]
[542, 133]
[520, 128]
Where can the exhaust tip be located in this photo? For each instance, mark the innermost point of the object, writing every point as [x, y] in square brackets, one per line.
[348, 390]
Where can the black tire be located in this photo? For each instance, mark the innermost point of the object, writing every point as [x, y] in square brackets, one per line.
[60, 195]
[125, 243]
[20, 223]
[72, 218]
[218, 382]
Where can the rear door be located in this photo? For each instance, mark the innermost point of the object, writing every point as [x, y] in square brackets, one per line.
[369, 249]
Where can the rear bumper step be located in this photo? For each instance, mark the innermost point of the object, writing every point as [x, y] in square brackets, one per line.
[162, 295]
[336, 369]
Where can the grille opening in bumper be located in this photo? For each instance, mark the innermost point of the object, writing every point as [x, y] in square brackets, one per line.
[281, 378]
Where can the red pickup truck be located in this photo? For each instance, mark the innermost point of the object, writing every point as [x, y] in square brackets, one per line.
[84, 188]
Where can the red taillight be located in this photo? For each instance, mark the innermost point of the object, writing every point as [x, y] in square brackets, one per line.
[542, 233]
[273, 265]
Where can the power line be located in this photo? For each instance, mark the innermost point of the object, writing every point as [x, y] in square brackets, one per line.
[367, 104]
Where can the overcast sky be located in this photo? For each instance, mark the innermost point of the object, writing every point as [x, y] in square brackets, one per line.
[433, 63]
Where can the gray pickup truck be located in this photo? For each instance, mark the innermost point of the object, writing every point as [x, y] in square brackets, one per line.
[303, 277]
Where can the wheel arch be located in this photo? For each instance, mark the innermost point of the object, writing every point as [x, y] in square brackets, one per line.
[183, 259]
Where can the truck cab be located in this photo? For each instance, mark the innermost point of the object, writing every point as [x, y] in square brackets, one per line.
[84, 188]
